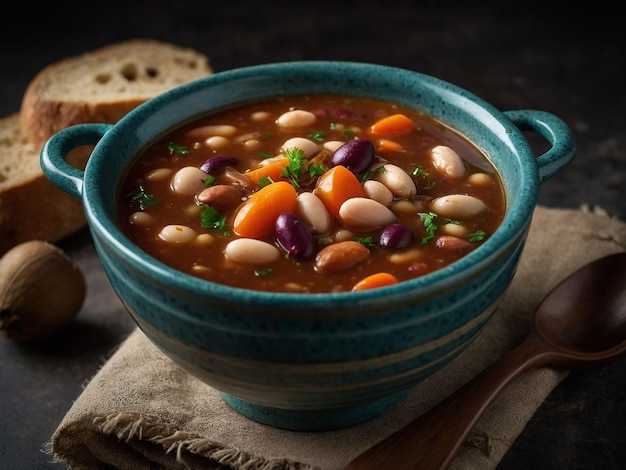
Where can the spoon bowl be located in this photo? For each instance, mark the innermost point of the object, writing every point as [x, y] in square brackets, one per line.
[581, 323]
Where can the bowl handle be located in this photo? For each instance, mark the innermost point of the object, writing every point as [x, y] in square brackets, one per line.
[54, 153]
[555, 131]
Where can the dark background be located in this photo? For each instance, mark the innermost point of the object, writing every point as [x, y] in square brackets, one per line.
[569, 61]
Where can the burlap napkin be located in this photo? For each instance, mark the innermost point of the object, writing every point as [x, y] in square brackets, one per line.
[142, 411]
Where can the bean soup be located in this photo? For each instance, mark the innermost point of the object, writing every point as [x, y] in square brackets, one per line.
[311, 194]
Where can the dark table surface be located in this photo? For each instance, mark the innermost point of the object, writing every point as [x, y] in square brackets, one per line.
[570, 62]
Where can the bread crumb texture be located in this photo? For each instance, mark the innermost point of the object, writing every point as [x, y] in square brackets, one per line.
[105, 84]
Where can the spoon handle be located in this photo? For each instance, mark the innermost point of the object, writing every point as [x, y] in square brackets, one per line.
[432, 440]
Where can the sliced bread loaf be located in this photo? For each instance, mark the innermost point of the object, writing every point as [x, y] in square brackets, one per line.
[105, 84]
[31, 208]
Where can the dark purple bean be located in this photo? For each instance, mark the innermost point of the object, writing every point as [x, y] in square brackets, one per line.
[395, 236]
[294, 236]
[356, 155]
[216, 164]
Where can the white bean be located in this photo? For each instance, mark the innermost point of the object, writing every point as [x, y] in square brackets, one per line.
[159, 174]
[141, 218]
[313, 212]
[296, 118]
[259, 116]
[361, 213]
[378, 191]
[177, 234]
[224, 130]
[188, 181]
[251, 251]
[458, 206]
[217, 142]
[398, 181]
[308, 147]
[479, 179]
[332, 145]
[447, 161]
[456, 230]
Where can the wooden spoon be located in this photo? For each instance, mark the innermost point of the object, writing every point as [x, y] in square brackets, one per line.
[581, 323]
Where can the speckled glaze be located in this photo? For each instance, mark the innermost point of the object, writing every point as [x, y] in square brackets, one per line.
[312, 361]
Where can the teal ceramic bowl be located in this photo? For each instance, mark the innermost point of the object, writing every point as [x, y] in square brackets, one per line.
[312, 361]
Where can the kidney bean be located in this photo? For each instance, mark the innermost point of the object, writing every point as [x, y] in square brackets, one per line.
[458, 206]
[356, 155]
[221, 196]
[447, 161]
[218, 163]
[398, 181]
[293, 235]
[395, 236]
[188, 181]
[251, 251]
[365, 214]
[449, 242]
[238, 179]
[340, 256]
[312, 210]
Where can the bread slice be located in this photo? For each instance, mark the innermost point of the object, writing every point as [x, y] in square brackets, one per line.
[105, 84]
[31, 208]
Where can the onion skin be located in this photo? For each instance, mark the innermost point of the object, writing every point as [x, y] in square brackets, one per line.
[41, 291]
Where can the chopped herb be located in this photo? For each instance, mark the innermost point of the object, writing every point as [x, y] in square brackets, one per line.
[477, 236]
[175, 148]
[209, 181]
[368, 175]
[263, 272]
[419, 171]
[266, 155]
[264, 180]
[298, 165]
[317, 135]
[366, 241]
[140, 196]
[212, 218]
[429, 225]
[348, 132]
[333, 126]
[453, 222]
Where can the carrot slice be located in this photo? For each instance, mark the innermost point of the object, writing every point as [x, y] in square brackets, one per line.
[396, 124]
[375, 280]
[257, 215]
[336, 186]
[271, 170]
[387, 145]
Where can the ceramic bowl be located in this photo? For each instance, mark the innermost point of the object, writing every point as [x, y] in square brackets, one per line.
[312, 361]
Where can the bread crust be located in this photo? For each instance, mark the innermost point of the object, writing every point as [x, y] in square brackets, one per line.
[156, 67]
[31, 207]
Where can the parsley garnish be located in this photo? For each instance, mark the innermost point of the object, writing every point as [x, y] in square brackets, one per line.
[263, 272]
[144, 199]
[211, 218]
[209, 181]
[175, 148]
[317, 135]
[429, 225]
[477, 236]
[366, 241]
[419, 171]
[298, 166]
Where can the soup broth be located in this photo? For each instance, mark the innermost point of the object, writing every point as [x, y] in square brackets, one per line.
[311, 194]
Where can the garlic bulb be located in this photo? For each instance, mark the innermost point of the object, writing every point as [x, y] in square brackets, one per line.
[41, 291]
